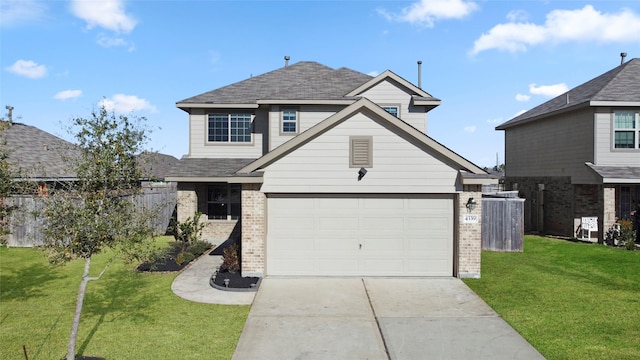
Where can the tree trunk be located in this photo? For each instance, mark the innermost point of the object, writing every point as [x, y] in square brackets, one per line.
[71, 349]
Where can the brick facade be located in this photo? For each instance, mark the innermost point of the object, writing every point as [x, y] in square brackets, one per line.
[254, 220]
[469, 234]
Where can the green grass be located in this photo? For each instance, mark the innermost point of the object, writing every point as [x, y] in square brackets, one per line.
[126, 315]
[569, 300]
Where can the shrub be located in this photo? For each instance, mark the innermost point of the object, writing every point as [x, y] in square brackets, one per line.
[625, 236]
[188, 231]
[199, 247]
[230, 258]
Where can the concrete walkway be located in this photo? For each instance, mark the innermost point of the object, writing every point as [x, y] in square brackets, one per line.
[193, 284]
[375, 318]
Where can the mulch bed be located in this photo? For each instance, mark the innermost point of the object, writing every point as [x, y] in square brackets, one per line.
[236, 281]
[168, 264]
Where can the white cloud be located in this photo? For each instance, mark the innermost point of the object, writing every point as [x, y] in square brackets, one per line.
[548, 90]
[517, 15]
[373, 73]
[28, 68]
[108, 14]
[121, 103]
[522, 97]
[494, 121]
[67, 94]
[427, 12]
[470, 129]
[108, 41]
[18, 12]
[561, 26]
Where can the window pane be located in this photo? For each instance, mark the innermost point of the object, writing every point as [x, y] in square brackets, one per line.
[624, 120]
[624, 140]
[289, 121]
[240, 127]
[218, 193]
[235, 211]
[217, 211]
[393, 110]
[218, 127]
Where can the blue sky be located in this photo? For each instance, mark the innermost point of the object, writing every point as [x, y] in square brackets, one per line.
[487, 60]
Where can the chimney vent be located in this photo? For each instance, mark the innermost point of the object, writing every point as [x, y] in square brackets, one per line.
[420, 74]
[286, 60]
[622, 56]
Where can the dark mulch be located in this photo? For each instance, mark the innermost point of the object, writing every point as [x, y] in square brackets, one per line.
[236, 281]
[168, 264]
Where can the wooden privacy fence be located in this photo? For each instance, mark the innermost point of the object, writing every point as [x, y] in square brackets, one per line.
[502, 223]
[27, 220]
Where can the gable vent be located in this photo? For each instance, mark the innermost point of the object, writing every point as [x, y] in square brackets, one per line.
[360, 151]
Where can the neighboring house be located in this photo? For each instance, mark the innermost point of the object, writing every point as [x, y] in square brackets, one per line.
[321, 171]
[48, 160]
[578, 155]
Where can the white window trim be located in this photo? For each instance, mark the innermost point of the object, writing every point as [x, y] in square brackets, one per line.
[228, 142]
[636, 130]
[282, 121]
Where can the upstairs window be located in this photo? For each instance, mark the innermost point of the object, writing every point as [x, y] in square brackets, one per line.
[626, 130]
[289, 121]
[235, 128]
[393, 110]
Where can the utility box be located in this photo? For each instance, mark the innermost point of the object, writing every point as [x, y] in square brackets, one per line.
[502, 223]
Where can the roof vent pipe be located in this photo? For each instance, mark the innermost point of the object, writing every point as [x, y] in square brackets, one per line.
[286, 60]
[9, 114]
[622, 56]
[420, 74]
[567, 97]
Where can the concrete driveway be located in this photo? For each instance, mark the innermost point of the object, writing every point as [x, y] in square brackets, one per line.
[375, 318]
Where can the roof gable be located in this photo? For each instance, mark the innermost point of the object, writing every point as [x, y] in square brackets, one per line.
[362, 105]
[620, 84]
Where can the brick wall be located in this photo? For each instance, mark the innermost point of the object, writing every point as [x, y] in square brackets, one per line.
[253, 230]
[469, 234]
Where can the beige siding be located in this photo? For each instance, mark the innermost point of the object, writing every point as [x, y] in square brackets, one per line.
[308, 116]
[605, 153]
[390, 94]
[558, 146]
[200, 148]
[322, 165]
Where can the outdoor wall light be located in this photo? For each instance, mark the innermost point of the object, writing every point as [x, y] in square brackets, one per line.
[471, 204]
[361, 173]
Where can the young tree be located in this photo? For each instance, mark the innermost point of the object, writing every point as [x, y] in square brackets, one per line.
[97, 211]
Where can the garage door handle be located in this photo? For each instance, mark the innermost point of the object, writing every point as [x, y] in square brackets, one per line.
[360, 246]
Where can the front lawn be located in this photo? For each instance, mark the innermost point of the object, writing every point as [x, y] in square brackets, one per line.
[569, 300]
[126, 315]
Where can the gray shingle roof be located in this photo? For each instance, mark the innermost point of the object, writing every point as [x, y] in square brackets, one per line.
[621, 83]
[205, 168]
[156, 165]
[304, 80]
[43, 156]
[39, 154]
[617, 172]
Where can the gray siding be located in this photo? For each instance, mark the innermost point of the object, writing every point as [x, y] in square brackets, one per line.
[322, 165]
[389, 93]
[308, 116]
[557, 146]
[199, 147]
[605, 153]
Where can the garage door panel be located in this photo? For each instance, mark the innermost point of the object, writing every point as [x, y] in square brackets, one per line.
[400, 236]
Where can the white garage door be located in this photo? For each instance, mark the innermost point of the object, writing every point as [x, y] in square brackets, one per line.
[356, 235]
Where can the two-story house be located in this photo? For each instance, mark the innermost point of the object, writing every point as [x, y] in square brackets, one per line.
[322, 171]
[578, 155]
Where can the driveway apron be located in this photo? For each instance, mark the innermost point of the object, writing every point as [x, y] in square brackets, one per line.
[375, 318]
